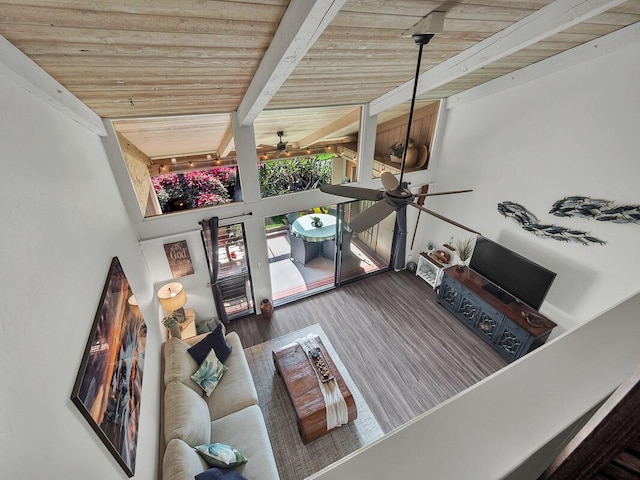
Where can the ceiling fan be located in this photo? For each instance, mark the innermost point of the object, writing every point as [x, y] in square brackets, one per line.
[281, 145]
[396, 195]
[278, 149]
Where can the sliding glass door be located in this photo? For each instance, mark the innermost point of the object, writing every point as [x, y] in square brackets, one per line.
[315, 250]
[363, 253]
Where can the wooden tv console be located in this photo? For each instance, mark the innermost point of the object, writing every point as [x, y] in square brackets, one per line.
[512, 329]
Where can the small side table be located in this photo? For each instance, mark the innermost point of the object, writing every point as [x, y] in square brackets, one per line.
[188, 327]
[430, 270]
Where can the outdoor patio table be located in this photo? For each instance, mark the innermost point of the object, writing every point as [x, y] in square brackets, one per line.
[303, 228]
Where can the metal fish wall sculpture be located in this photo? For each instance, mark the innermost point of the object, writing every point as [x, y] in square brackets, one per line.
[529, 222]
[598, 209]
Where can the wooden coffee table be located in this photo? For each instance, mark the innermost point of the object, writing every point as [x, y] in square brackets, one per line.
[303, 388]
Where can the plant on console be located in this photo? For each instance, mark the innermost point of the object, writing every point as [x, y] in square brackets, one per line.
[464, 249]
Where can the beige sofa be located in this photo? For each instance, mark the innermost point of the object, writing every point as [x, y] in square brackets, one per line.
[230, 415]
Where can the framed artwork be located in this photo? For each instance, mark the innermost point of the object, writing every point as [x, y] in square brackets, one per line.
[178, 258]
[108, 387]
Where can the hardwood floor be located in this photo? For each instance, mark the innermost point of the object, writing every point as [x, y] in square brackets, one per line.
[405, 352]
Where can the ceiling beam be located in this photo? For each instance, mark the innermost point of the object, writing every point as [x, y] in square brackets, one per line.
[327, 130]
[225, 144]
[18, 68]
[300, 27]
[541, 24]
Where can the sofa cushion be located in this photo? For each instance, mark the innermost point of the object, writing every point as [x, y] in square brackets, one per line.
[209, 373]
[236, 389]
[221, 455]
[179, 365]
[247, 431]
[181, 462]
[215, 340]
[186, 415]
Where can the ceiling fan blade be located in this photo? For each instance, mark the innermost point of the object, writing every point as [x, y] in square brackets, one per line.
[452, 192]
[372, 215]
[442, 217]
[358, 193]
[389, 181]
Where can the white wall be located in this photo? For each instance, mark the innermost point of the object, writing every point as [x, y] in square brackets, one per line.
[62, 222]
[570, 133]
[199, 296]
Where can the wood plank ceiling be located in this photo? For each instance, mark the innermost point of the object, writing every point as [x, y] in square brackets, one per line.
[139, 59]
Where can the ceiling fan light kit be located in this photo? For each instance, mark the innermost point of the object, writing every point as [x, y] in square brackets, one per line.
[396, 195]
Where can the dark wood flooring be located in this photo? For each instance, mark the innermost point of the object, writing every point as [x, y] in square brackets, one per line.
[405, 352]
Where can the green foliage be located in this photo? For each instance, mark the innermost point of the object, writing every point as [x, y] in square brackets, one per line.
[170, 320]
[277, 221]
[280, 177]
[464, 248]
[199, 188]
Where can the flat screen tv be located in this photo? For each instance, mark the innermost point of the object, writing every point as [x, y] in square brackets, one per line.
[520, 278]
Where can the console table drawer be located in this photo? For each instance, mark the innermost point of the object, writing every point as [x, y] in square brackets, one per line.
[512, 340]
[469, 308]
[489, 323]
[449, 293]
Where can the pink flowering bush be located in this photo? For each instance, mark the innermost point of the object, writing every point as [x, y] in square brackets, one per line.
[205, 181]
[199, 188]
[207, 199]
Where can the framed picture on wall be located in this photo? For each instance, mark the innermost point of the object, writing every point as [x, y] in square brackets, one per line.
[108, 386]
[178, 258]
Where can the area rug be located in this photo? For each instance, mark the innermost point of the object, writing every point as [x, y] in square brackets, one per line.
[294, 459]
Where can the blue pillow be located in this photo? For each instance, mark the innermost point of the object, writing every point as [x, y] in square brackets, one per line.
[219, 474]
[215, 340]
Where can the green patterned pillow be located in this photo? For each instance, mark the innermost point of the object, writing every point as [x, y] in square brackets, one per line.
[221, 455]
[209, 373]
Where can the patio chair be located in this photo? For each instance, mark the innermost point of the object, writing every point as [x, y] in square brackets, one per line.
[329, 246]
[302, 251]
[291, 217]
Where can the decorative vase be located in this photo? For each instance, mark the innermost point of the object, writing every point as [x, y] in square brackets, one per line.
[412, 156]
[461, 264]
[266, 307]
[174, 329]
[317, 224]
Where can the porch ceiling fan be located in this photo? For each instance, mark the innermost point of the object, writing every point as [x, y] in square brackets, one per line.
[396, 194]
[278, 149]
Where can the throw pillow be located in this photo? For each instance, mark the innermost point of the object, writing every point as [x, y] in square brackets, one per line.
[221, 455]
[209, 373]
[219, 474]
[215, 340]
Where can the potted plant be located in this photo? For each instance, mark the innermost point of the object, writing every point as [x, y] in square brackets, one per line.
[316, 222]
[464, 248]
[171, 322]
[396, 150]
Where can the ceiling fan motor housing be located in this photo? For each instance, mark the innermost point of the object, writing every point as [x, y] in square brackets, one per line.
[281, 145]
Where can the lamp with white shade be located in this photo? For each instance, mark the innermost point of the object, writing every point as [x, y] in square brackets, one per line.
[173, 297]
